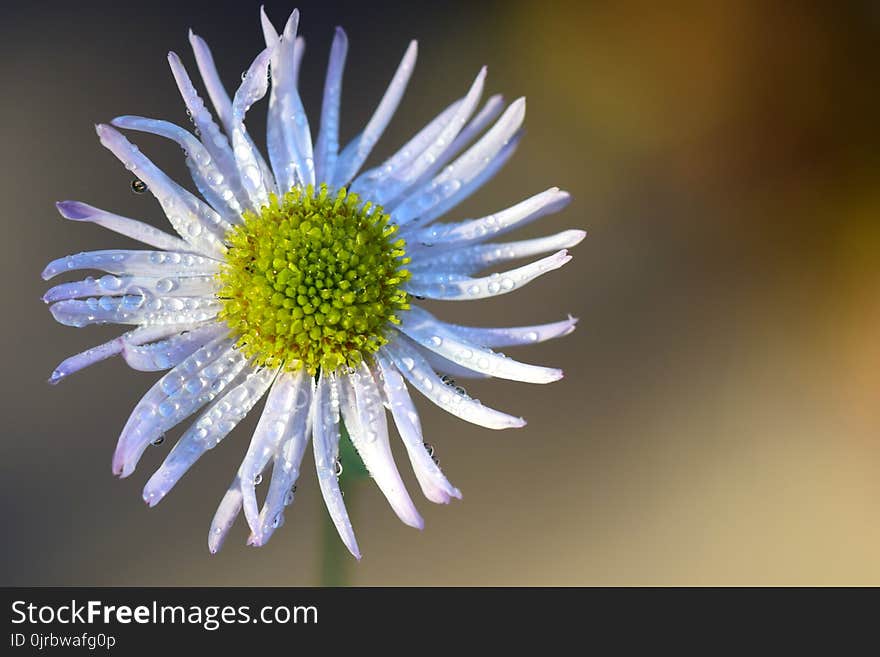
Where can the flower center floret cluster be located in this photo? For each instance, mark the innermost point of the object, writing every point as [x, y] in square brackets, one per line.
[313, 280]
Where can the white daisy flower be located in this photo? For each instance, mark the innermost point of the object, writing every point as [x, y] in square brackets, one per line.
[295, 278]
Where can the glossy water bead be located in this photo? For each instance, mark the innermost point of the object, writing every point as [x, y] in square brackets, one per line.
[295, 278]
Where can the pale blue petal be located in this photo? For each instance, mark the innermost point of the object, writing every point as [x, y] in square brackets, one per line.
[124, 261]
[434, 484]
[355, 153]
[364, 416]
[212, 426]
[288, 137]
[327, 146]
[194, 220]
[178, 394]
[474, 231]
[413, 366]
[419, 325]
[207, 176]
[425, 285]
[325, 445]
[137, 230]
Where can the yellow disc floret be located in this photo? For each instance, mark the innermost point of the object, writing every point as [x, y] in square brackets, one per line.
[313, 280]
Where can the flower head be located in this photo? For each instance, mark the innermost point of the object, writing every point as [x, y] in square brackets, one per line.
[295, 279]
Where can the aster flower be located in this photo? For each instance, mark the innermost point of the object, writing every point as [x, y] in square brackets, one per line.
[295, 279]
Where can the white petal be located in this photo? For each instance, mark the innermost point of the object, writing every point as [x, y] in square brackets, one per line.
[443, 365]
[457, 178]
[269, 33]
[370, 180]
[212, 138]
[194, 221]
[473, 231]
[487, 286]
[142, 308]
[416, 370]
[178, 394]
[284, 421]
[434, 484]
[137, 230]
[423, 329]
[325, 445]
[86, 358]
[110, 285]
[327, 146]
[212, 426]
[484, 117]
[155, 356]
[472, 259]
[355, 153]
[513, 336]
[397, 183]
[288, 138]
[110, 348]
[146, 263]
[208, 177]
[287, 460]
[364, 417]
[216, 91]
[255, 175]
[224, 517]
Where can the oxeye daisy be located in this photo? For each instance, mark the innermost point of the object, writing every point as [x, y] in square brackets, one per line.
[297, 279]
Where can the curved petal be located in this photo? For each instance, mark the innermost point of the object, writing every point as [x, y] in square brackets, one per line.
[255, 175]
[434, 484]
[288, 138]
[513, 336]
[144, 263]
[369, 180]
[399, 181]
[467, 168]
[206, 174]
[211, 78]
[325, 445]
[355, 153]
[168, 353]
[224, 517]
[137, 230]
[284, 423]
[474, 231]
[472, 259]
[327, 146]
[212, 138]
[213, 425]
[416, 370]
[364, 417]
[178, 394]
[142, 308]
[487, 286]
[423, 329]
[109, 285]
[194, 221]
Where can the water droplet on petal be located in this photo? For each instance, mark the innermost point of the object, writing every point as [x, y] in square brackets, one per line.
[138, 186]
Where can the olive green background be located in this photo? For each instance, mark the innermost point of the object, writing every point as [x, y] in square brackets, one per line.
[718, 422]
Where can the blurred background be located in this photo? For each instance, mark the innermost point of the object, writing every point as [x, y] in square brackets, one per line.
[719, 422]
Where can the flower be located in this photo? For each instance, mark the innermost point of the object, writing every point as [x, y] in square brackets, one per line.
[295, 279]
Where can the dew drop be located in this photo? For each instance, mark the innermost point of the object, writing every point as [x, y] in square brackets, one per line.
[258, 480]
[429, 448]
[138, 186]
[158, 441]
[338, 468]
